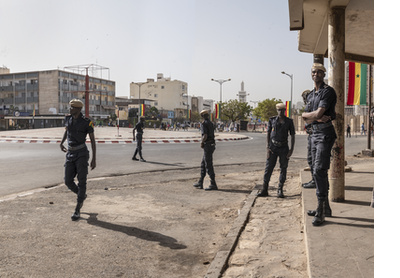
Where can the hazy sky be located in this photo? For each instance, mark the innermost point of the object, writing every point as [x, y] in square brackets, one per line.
[187, 40]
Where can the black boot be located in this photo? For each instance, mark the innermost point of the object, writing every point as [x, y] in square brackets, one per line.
[327, 209]
[280, 191]
[319, 217]
[213, 186]
[199, 184]
[77, 213]
[310, 184]
[264, 191]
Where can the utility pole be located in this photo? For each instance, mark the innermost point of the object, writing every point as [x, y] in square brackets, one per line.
[291, 91]
[140, 85]
[87, 94]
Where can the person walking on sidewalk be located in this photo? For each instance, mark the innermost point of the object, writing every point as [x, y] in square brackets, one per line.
[77, 127]
[208, 145]
[321, 103]
[348, 129]
[138, 129]
[279, 128]
[362, 129]
[311, 183]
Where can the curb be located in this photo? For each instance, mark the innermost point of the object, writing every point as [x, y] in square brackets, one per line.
[111, 141]
[305, 219]
[220, 261]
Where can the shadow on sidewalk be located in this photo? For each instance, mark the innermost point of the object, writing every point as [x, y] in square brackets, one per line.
[166, 164]
[235, 190]
[328, 221]
[163, 240]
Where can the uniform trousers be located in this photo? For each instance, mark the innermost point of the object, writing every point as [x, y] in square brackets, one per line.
[207, 161]
[309, 154]
[321, 145]
[281, 153]
[76, 165]
[139, 137]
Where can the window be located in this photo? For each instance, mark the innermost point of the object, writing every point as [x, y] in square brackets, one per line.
[155, 95]
[162, 87]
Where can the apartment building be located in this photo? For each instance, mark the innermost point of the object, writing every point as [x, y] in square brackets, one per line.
[165, 94]
[47, 94]
[199, 103]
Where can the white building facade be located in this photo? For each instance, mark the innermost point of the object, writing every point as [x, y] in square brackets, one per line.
[166, 94]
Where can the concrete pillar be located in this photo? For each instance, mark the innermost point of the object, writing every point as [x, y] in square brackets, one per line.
[336, 57]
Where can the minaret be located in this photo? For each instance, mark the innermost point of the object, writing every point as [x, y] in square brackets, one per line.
[242, 93]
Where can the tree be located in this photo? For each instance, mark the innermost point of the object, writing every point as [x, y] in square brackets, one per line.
[234, 110]
[152, 112]
[195, 117]
[266, 109]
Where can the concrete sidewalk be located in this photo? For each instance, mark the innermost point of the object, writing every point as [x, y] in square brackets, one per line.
[344, 245]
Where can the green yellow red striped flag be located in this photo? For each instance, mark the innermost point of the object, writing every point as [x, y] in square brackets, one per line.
[288, 111]
[141, 110]
[189, 114]
[217, 111]
[357, 91]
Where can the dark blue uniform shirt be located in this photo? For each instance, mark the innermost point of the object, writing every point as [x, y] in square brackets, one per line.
[280, 131]
[207, 127]
[139, 127]
[78, 129]
[325, 97]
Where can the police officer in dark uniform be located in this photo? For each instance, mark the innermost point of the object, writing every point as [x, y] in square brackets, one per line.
[77, 127]
[208, 145]
[311, 183]
[321, 103]
[139, 136]
[278, 130]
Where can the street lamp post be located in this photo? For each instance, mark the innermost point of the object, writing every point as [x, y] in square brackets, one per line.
[220, 81]
[291, 88]
[140, 85]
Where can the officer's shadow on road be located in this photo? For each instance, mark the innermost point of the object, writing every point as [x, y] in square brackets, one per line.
[166, 164]
[163, 240]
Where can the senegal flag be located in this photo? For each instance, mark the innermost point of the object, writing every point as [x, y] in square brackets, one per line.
[357, 92]
[217, 111]
[141, 110]
[288, 111]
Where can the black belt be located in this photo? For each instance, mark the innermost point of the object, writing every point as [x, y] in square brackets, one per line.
[279, 144]
[75, 148]
[321, 126]
[209, 143]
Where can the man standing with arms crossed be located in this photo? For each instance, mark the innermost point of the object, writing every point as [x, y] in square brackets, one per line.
[208, 145]
[77, 127]
[321, 103]
[278, 130]
[311, 183]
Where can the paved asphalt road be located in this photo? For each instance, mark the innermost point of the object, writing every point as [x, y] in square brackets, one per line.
[29, 166]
